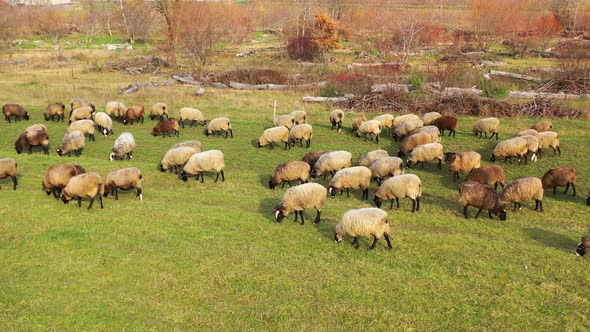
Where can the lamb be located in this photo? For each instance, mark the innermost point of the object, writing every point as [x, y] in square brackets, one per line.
[414, 140]
[330, 162]
[123, 147]
[73, 141]
[509, 148]
[116, 109]
[584, 245]
[560, 176]
[275, 134]
[488, 175]
[406, 128]
[387, 166]
[301, 132]
[134, 113]
[446, 122]
[8, 169]
[218, 125]
[289, 171]
[193, 144]
[426, 152]
[312, 157]
[104, 123]
[166, 127]
[80, 102]
[358, 177]
[542, 126]
[15, 110]
[300, 116]
[82, 186]
[522, 190]
[482, 197]
[357, 121]
[32, 138]
[403, 118]
[532, 145]
[371, 127]
[85, 126]
[485, 126]
[284, 120]
[300, 197]
[212, 160]
[81, 113]
[57, 177]
[463, 162]
[176, 157]
[363, 222]
[366, 158]
[193, 115]
[55, 112]
[405, 185]
[429, 117]
[386, 121]
[549, 139]
[336, 118]
[159, 110]
[124, 179]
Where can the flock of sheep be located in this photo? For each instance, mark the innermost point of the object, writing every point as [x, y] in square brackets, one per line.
[421, 142]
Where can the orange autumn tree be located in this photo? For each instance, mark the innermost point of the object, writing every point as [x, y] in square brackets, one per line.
[325, 33]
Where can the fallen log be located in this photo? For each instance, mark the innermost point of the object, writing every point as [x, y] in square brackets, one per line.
[493, 63]
[513, 75]
[242, 86]
[186, 80]
[310, 99]
[392, 86]
[547, 95]
[435, 89]
[377, 64]
[132, 88]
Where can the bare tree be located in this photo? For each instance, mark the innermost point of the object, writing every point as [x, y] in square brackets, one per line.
[169, 9]
[408, 26]
[137, 18]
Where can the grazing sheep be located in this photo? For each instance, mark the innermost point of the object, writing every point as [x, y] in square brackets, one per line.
[82, 186]
[363, 222]
[406, 128]
[73, 141]
[386, 121]
[123, 147]
[429, 117]
[301, 132]
[426, 152]
[55, 112]
[559, 177]
[167, 126]
[358, 177]
[104, 123]
[289, 171]
[284, 120]
[588, 200]
[8, 168]
[482, 197]
[357, 121]
[218, 125]
[36, 127]
[488, 175]
[532, 145]
[403, 118]
[79, 102]
[584, 244]
[485, 126]
[84, 112]
[212, 160]
[176, 157]
[405, 185]
[124, 179]
[57, 177]
[193, 115]
[193, 144]
[446, 122]
[28, 139]
[275, 134]
[542, 126]
[15, 110]
[370, 127]
[549, 139]
[300, 197]
[366, 158]
[414, 140]
[330, 162]
[387, 166]
[300, 116]
[312, 157]
[432, 130]
[522, 190]
[532, 132]
[509, 148]
[135, 113]
[336, 118]
[85, 126]
[116, 109]
[463, 162]
[159, 110]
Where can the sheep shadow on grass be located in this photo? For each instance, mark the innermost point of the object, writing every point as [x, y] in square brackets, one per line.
[551, 239]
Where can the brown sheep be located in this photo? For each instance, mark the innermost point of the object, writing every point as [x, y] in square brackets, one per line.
[123, 179]
[82, 186]
[482, 197]
[289, 171]
[312, 157]
[134, 113]
[29, 139]
[8, 169]
[522, 190]
[55, 112]
[488, 175]
[15, 110]
[446, 122]
[542, 126]
[412, 141]
[166, 127]
[57, 177]
[584, 245]
[462, 162]
[560, 176]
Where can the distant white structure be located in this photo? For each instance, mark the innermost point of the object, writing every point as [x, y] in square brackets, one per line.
[39, 2]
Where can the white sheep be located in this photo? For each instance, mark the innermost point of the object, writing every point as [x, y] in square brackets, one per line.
[300, 197]
[405, 185]
[336, 118]
[542, 126]
[549, 139]
[370, 127]
[300, 116]
[485, 126]
[8, 169]
[363, 222]
[532, 143]
[176, 157]
[386, 121]
[124, 179]
[79, 102]
[104, 123]
[275, 134]
[123, 147]
[432, 130]
[403, 118]
[463, 162]
[509, 148]
[82, 186]
[85, 126]
[219, 125]
[192, 144]
[81, 113]
[406, 128]
[212, 160]
[387, 166]
[366, 158]
[301, 132]
[358, 177]
[426, 152]
[191, 114]
[159, 110]
[284, 120]
[116, 109]
[429, 117]
[330, 162]
[522, 190]
[414, 140]
[73, 141]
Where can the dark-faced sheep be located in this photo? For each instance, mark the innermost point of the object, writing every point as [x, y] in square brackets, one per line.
[135, 113]
[123, 147]
[446, 122]
[559, 177]
[405, 185]
[192, 144]
[167, 126]
[8, 169]
[371, 128]
[403, 118]
[426, 152]
[414, 140]
[115, 109]
[83, 186]
[481, 197]
[123, 179]
[357, 121]
[85, 126]
[367, 158]
[104, 123]
[300, 116]
[488, 175]
[301, 132]
[485, 126]
[27, 140]
[289, 171]
[212, 160]
[15, 110]
[549, 139]
[299, 198]
[72, 142]
[542, 126]
[463, 162]
[369, 222]
[312, 157]
[193, 115]
[80, 102]
[358, 177]
[159, 110]
[514, 147]
[219, 125]
[429, 117]
[386, 121]
[386, 167]
[584, 244]
[84, 112]
[522, 190]
[336, 118]
[331, 162]
[284, 121]
[55, 112]
[57, 177]
[275, 134]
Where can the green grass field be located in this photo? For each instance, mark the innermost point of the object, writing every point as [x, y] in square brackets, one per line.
[194, 256]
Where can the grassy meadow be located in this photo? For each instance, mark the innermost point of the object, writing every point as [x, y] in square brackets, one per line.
[194, 256]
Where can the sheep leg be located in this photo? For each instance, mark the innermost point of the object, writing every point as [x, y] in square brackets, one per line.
[567, 187]
[454, 131]
[231, 133]
[296, 215]
[301, 215]
[490, 213]
[79, 201]
[397, 202]
[355, 242]
[139, 194]
[283, 185]
[341, 192]
[287, 145]
[7, 118]
[100, 200]
[116, 194]
[317, 217]
[485, 134]
[377, 138]
[440, 164]
[573, 187]
[347, 192]
[541, 205]
[202, 177]
[422, 164]
[413, 205]
[477, 214]
[465, 212]
[496, 185]
[308, 142]
[14, 182]
[217, 177]
[386, 236]
[366, 194]
[271, 146]
[455, 176]
[558, 150]
[290, 185]
[91, 201]
[391, 205]
[374, 242]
